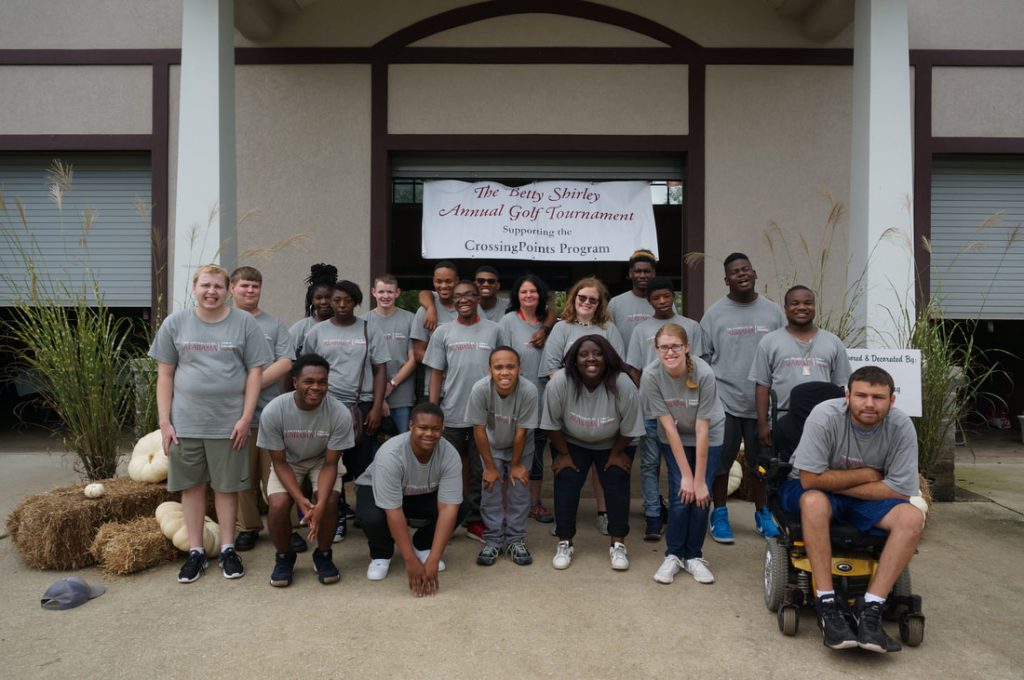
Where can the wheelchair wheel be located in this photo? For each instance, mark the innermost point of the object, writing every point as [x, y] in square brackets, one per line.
[789, 619]
[776, 574]
[912, 629]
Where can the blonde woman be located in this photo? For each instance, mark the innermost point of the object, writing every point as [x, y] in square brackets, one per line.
[680, 391]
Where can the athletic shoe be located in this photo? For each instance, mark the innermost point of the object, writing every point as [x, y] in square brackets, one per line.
[518, 553]
[284, 566]
[870, 633]
[345, 510]
[422, 556]
[340, 531]
[194, 567]
[721, 531]
[764, 523]
[835, 629]
[475, 530]
[297, 544]
[698, 568]
[563, 555]
[378, 569]
[669, 568]
[618, 556]
[246, 540]
[323, 565]
[602, 523]
[653, 530]
[541, 514]
[231, 564]
[488, 555]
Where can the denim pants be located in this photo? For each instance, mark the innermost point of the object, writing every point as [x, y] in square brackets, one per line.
[400, 416]
[569, 483]
[505, 509]
[462, 439]
[650, 468]
[687, 523]
[375, 521]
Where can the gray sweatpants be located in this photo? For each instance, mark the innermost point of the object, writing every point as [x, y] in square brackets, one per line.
[504, 508]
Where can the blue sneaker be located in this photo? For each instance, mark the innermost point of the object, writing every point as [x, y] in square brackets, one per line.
[721, 531]
[764, 523]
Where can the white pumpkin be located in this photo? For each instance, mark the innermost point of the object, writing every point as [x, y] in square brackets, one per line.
[735, 477]
[94, 490]
[171, 519]
[166, 510]
[148, 462]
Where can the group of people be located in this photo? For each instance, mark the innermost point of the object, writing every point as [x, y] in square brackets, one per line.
[504, 378]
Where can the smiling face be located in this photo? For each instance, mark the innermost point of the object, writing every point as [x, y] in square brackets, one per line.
[869, 404]
[504, 371]
[640, 274]
[529, 297]
[210, 291]
[322, 302]
[466, 299]
[343, 305]
[740, 277]
[672, 350]
[424, 432]
[310, 387]
[586, 303]
[444, 283]
[246, 294]
[590, 362]
[385, 294]
[488, 284]
[799, 308]
[662, 302]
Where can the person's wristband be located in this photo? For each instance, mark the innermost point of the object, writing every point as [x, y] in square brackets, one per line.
[393, 383]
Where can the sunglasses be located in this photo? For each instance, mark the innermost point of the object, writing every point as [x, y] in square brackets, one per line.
[586, 299]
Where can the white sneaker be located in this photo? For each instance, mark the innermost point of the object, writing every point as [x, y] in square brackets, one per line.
[669, 568]
[698, 568]
[378, 570]
[563, 555]
[424, 554]
[602, 523]
[617, 553]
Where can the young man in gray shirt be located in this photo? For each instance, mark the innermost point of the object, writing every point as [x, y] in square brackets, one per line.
[632, 307]
[732, 327]
[857, 463]
[392, 327]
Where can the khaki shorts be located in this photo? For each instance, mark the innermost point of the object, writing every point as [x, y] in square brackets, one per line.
[304, 468]
[195, 461]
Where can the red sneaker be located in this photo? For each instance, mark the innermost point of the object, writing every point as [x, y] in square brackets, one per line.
[475, 530]
[540, 513]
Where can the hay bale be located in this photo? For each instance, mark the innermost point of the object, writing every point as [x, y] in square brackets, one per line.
[55, 529]
[127, 547]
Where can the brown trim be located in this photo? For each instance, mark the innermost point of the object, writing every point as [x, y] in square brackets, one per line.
[989, 145]
[541, 55]
[160, 192]
[302, 55]
[968, 57]
[922, 133]
[49, 57]
[75, 142]
[537, 143]
[777, 56]
[694, 220]
[380, 171]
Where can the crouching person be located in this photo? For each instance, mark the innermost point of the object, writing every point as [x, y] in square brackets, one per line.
[304, 433]
[415, 476]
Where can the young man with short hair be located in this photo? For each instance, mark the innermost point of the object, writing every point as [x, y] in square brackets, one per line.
[440, 309]
[304, 434]
[732, 327]
[503, 410]
[392, 326]
[857, 463]
[632, 307]
[416, 475]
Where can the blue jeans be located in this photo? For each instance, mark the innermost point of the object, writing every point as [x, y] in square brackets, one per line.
[650, 468]
[569, 483]
[400, 416]
[687, 523]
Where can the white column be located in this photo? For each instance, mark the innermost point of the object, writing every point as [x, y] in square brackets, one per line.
[882, 189]
[205, 205]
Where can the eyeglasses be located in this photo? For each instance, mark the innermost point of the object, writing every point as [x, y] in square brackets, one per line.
[486, 282]
[586, 299]
[464, 296]
[665, 349]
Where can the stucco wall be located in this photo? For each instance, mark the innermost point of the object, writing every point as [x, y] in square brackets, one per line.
[75, 99]
[778, 143]
[541, 99]
[90, 24]
[959, 25]
[978, 102]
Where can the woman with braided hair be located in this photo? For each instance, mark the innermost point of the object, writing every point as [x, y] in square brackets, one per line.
[319, 289]
[680, 392]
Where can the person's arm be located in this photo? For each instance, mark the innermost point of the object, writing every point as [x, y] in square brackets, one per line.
[516, 471]
[164, 396]
[372, 421]
[841, 481]
[675, 443]
[286, 476]
[540, 336]
[634, 375]
[402, 373]
[617, 456]
[324, 487]
[275, 372]
[240, 432]
[436, 381]
[419, 349]
[762, 402]
[399, 528]
[491, 474]
[426, 299]
[701, 495]
[447, 515]
[560, 448]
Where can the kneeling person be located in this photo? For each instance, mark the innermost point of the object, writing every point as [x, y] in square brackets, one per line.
[503, 411]
[415, 476]
[857, 462]
[305, 434]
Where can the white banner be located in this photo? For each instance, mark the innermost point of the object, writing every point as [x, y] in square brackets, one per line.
[560, 221]
[904, 365]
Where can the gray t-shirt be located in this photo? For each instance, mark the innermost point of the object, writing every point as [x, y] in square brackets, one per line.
[396, 472]
[212, 362]
[461, 352]
[561, 339]
[831, 442]
[517, 334]
[497, 311]
[782, 362]
[298, 332]
[592, 419]
[344, 347]
[641, 345]
[665, 395]
[393, 333]
[503, 416]
[304, 434]
[627, 312]
[279, 340]
[444, 315]
[731, 333]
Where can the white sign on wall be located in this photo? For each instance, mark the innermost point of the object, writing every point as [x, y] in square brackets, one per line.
[904, 365]
[557, 221]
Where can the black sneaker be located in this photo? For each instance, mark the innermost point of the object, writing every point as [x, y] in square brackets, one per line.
[246, 540]
[835, 629]
[231, 564]
[652, 531]
[345, 510]
[487, 556]
[284, 565]
[194, 567]
[518, 553]
[340, 531]
[323, 565]
[297, 544]
[870, 633]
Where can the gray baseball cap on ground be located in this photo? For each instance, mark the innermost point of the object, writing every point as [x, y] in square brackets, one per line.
[70, 592]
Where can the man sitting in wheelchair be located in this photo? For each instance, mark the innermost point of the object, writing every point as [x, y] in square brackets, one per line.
[856, 462]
